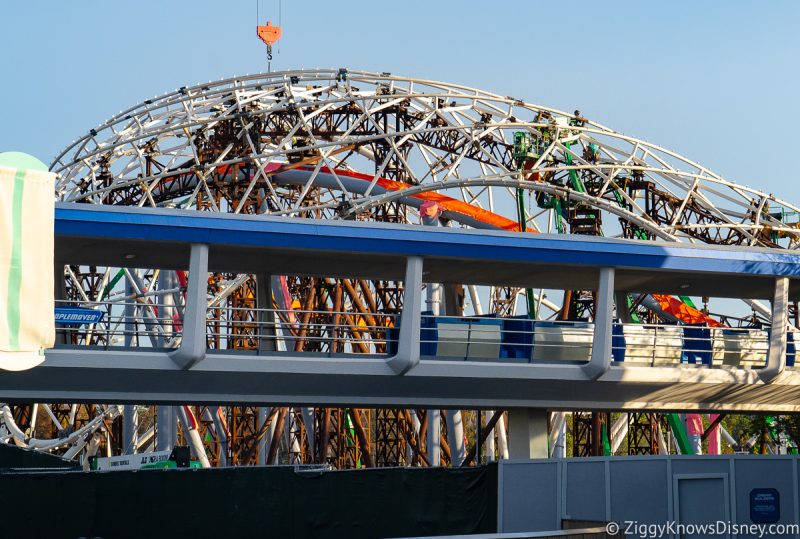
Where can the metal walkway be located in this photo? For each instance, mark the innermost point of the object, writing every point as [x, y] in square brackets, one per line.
[430, 361]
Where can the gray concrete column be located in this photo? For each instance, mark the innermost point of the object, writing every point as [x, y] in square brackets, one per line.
[527, 431]
[407, 356]
[603, 325]
[776, 358]
[193, 340]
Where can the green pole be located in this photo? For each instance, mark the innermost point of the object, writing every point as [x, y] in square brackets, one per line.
[679, 431]
[522, 218]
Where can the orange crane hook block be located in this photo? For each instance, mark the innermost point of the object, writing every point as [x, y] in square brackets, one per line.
[269, 34]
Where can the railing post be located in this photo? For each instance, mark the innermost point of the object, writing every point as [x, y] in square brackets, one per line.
[776, 356]
[407, 356]
[193, 340]
[60, 293]
[603, 320]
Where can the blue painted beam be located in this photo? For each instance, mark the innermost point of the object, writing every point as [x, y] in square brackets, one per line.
[172, 226]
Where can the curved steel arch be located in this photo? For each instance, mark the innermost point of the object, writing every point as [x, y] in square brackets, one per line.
[416, 131]
[291, 143]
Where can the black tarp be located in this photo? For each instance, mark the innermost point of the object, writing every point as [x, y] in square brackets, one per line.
[250, 502]
[17, 457]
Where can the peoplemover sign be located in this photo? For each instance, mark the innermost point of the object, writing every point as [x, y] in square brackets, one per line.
[77, 316]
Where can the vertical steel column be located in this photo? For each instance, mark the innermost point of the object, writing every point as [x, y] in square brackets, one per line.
[130, 424]
[266, 319]
[165, 426]
[434, 438]
[263, 413]
[488, 448]
[453, 296]
[455, 437]
[130, 419]
[222, 436]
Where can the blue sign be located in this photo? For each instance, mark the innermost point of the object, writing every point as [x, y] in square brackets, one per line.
[765, 505]
[77, 316]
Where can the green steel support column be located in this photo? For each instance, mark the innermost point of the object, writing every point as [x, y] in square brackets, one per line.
[679, 431]
[523, 227]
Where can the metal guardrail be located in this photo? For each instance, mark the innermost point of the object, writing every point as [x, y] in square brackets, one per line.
[145, 324]
[522, 340]
[138, 323]
[301, 330]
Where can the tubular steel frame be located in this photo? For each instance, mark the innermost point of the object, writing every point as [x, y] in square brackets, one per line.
[341, 144]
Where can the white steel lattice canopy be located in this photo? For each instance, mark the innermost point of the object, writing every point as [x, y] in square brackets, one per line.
[334, 143]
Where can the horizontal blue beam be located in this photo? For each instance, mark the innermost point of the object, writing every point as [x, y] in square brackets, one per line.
[174, 226]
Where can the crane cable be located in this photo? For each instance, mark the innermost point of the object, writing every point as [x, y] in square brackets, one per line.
[269, 34]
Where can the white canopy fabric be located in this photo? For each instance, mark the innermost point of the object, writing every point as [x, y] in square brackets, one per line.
[27, 322]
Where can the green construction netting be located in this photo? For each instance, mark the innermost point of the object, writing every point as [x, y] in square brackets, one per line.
[251, 502]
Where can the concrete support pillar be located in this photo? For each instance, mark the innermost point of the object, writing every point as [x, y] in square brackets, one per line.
[528, 433]
[193, 341]
[603, 323]
[407, 356]
[266, 319]
[776, 358]
[434, 437]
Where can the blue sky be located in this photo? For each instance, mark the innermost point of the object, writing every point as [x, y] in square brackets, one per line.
[714, 81]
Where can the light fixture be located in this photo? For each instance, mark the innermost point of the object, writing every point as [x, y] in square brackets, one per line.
[684, 286]
[130, 256]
